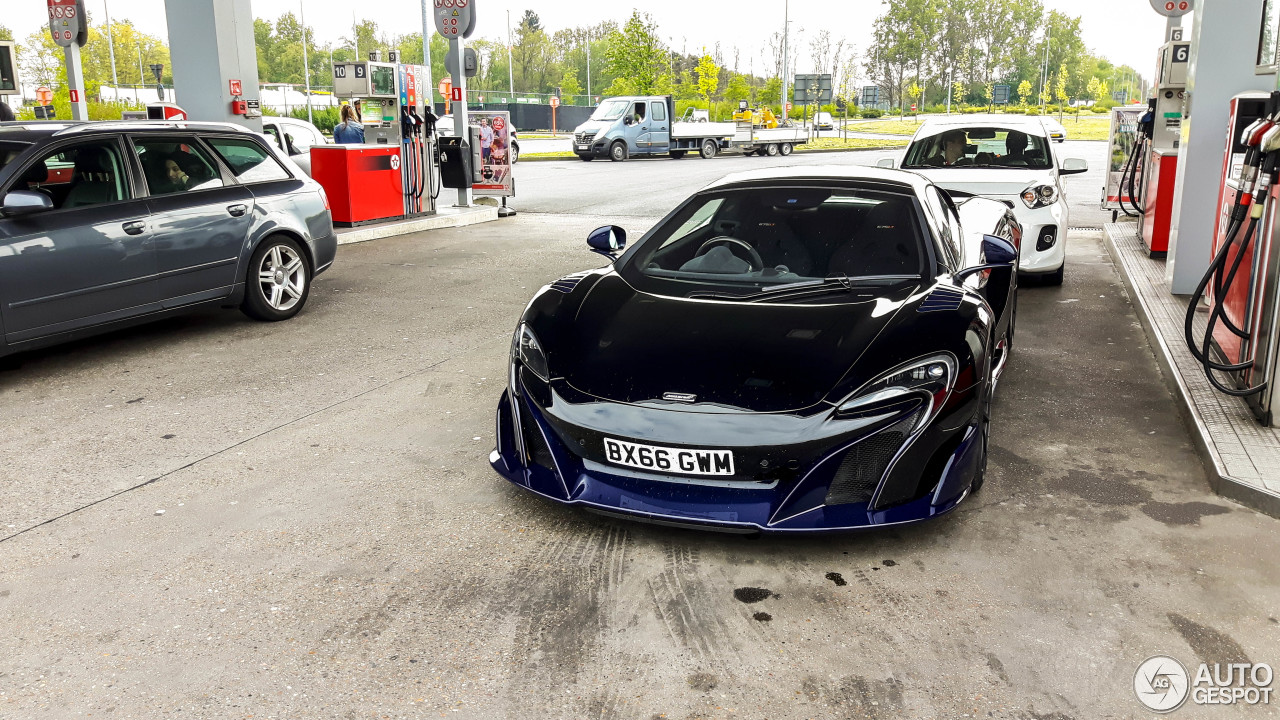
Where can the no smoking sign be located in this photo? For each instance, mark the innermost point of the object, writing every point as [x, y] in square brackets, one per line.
[455, 18]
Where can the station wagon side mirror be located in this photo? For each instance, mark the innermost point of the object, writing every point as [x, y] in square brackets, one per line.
[607, 240]
[998, 254]
[1073, 166]
[25, 202]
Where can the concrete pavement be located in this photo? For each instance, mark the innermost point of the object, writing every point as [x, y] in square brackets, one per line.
[334, 544]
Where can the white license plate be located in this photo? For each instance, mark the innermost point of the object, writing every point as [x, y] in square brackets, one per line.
[685, 461]
[584, 147]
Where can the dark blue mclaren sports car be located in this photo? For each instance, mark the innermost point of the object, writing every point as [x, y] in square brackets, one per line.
[799, 349]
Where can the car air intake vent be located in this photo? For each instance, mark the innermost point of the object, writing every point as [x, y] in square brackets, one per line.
[943, 298]
[864, 464]
[567, 283]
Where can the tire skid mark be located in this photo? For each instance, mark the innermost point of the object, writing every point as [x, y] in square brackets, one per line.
[562, 600]
[693, 618]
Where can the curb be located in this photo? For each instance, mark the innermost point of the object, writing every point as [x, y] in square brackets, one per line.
[1222, 483]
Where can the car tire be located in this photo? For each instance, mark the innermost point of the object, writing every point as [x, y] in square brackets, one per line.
[785, 149]
[515, 153]
[709, 149]
[677, 154]
[618, 151]
[771, 149]
[984, 437]
[277, 264]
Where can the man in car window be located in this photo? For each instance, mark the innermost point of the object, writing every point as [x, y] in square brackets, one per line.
[952, 146]
[1015, 145]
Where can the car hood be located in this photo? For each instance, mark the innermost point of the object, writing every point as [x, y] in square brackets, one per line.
[628, 346]
[594, 126]
[982, 181]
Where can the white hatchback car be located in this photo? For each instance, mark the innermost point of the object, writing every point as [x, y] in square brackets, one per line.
[1004, 158]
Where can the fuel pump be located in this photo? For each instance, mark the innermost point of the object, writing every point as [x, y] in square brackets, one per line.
[1159, 171]
[1244, 307]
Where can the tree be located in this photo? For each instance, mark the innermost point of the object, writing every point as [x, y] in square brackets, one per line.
[569, 84]
[771, 93]
[1024, 91]
[636, 55]
[989, 93]
[534, 55]
[915, 92]
[737, 90]
[1060, 88]
[531, 20]
[958, 92]
[708, 77]
[5, 33]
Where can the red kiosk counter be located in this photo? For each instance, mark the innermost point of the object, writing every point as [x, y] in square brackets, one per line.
[362, 181]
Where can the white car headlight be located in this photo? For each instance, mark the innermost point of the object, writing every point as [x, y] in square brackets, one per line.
[1039, 196]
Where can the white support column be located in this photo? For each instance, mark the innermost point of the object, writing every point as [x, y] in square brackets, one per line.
[1221, 66]
[211, 43]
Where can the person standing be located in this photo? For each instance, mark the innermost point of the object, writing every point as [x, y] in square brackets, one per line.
[349, 131]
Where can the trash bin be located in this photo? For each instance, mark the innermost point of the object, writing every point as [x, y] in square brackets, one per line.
[455, 163]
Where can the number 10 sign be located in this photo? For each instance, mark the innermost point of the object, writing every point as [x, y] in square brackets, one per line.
[455, 18]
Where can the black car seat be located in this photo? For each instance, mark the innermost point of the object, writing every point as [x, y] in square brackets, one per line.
[883, 246]
[770, 232]
[35, 176]
[94, 180]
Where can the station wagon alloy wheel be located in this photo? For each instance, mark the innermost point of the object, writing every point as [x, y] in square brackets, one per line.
[283, 277]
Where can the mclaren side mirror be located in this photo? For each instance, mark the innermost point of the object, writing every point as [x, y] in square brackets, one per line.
[607, 240]
[1073, 166]
[885, 163]
[998, 254]
[25, 202]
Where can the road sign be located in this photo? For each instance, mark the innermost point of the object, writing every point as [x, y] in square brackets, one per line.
[236, 89]
[455, 18]
[75, 95]
[812, 88]
[44, 95]
[1172, 8]
[455, 94]
[870, 95]
[788, 107]
[555, 102]
[444, 86]
[1000, 94]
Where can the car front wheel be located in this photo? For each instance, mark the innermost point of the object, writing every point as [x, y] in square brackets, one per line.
[278, 282]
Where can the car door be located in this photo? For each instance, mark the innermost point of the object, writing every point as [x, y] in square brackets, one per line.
[659, 127]
[87, 261]
[637, 133]
[199, 217]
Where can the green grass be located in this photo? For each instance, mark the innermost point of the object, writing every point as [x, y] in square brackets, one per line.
[1085, 126]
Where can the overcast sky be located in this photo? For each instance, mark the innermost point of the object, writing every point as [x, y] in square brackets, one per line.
[1126, 31]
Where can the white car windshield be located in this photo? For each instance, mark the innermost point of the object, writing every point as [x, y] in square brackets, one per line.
[610, 110]
[985, 147]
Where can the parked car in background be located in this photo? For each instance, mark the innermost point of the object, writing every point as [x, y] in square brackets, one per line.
[294, 138]
[1006, 158]
[789, 350]
[1056, 132]
[104, 225]
[444, 128]
[822, 121]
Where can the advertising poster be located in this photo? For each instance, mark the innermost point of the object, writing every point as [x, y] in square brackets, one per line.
[1124, 131]
[495, 156]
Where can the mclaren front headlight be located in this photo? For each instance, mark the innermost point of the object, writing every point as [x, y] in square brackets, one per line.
[1039, 196]
[526, 349]
[925, 381]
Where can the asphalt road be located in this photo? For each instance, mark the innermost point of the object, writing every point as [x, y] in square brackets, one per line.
[333, 543]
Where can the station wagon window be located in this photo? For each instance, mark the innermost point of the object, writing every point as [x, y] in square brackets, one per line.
[80, 175]
[247, 160]
[9, 151]
[175, 164]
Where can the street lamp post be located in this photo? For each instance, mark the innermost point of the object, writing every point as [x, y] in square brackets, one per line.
[786, 28]
[511, 68]
[306, 67]
[111, 48]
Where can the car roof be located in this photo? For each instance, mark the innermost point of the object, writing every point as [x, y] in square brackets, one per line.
[32, 131]
[936, 125]
[825, 172]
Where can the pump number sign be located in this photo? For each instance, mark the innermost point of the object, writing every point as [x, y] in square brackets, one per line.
[454, 18]
[1172, 8]
[67, 22]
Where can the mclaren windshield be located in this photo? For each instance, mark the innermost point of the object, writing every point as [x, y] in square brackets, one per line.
[610, 110]
[983, 147]
[755, 243]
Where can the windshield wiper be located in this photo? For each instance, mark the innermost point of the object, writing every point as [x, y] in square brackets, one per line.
[835, 283]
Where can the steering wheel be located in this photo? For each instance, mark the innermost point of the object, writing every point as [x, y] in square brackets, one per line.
[757, 262]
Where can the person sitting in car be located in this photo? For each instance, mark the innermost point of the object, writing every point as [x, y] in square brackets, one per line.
[950, 150]
[1015, 144]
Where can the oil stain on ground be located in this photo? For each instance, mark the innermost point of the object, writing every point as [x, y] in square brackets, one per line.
[837, 578]
[1211, 645]
[752, 594]
[1188, 513]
